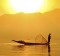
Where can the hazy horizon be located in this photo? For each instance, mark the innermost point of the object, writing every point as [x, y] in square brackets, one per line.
[27, 26]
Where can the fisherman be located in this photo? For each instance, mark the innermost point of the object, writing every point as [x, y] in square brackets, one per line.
[49, 37]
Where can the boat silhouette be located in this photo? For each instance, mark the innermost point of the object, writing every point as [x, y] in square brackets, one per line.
[29, 43]
[32, 43]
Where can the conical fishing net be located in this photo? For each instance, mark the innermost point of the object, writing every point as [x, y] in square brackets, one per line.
[40, 39]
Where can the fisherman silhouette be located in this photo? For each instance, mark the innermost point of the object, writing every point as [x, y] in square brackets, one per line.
[49, 37]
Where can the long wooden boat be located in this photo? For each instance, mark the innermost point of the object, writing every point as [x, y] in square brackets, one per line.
[29, 43]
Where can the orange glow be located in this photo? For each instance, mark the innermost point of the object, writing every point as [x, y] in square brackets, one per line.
[26, 6]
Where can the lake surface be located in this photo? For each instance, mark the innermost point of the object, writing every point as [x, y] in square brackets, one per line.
[13, 49]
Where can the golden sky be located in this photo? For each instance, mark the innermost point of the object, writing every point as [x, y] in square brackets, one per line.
[27, 26]
[8, 7]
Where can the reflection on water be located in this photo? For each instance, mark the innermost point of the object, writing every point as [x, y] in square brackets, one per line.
[49, 50]
[31, 50]
[18, 48]
[40, 48]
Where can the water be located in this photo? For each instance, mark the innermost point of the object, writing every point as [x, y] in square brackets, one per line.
[13, 49]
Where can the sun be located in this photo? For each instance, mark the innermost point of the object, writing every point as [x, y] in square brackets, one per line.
[26, 6]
